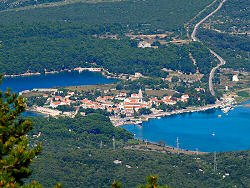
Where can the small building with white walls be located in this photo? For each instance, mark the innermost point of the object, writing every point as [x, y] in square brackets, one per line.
[235, 78]
[144, 44]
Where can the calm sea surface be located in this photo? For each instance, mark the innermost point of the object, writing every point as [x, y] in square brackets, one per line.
[51, 80]
[195, 130]
[73, 78]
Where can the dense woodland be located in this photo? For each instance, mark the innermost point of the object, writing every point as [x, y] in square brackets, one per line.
[24, 53]
[89, 130]
[234, 49]
[71, 154]
[159, 14]
[57, 46]
[234, 17]
[229, 34]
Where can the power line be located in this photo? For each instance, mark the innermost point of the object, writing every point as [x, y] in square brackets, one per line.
[215, 163]
[177, 145]
[113, 142]
[101, 144]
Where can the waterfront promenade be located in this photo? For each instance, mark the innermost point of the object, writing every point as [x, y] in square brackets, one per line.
[117, 121]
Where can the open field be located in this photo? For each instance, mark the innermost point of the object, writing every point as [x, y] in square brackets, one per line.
[160, 93]
[91, 87]
[111, 88]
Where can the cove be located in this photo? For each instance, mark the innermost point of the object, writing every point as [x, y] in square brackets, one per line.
[73, 78]
[195, 130]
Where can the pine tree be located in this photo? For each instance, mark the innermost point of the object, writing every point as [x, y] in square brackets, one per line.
[116, 184]
[152, 182]
[15, 156]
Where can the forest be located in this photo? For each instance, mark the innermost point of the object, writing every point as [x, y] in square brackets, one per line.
[234, 49]
[72, 155]
[159, 14]
[228, 34]
[36, 47]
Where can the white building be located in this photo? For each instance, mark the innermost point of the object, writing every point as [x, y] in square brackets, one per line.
[235, 78]
[138, 75]
[144, 44]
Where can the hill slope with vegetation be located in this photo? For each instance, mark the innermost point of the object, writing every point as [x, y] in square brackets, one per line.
[57, 38]
[57, 46]
[72, 155]
[156, 13]
[228, 31]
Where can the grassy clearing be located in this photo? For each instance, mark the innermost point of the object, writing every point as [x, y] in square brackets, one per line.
[91, 87]
[160, 93]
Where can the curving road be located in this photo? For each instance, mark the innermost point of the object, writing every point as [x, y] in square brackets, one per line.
[222, 61]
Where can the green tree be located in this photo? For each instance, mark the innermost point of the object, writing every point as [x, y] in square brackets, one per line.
[175, 79]
[144, 111]
[152, 182]
[15, 157]
[14, 154]
[116, 184]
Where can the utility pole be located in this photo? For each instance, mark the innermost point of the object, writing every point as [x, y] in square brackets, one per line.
[177, 145]
[113, 142]
[215, 163]
[101, 144]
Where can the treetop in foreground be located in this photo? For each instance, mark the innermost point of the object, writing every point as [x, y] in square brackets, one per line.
[15, 156]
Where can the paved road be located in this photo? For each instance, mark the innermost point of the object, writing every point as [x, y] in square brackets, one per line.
[222, 61]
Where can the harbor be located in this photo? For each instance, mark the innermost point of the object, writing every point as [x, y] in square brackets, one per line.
[202, 130]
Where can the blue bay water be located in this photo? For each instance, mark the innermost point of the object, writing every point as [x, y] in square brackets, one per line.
[33, 114]
[195, 130]
[73, 78]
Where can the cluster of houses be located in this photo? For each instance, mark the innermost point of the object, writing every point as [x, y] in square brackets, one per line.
[56, 100]
[119, 104]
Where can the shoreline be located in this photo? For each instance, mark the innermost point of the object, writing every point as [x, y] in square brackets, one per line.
[103, 72]
[117, 122]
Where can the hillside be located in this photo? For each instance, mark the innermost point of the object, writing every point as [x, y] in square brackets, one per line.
[62, 37]
[14, 4]
[56, 46]
[228, 33]
[72, 155]
[157, 14]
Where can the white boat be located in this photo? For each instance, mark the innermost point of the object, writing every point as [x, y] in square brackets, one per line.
[138, 122]
[226, 109]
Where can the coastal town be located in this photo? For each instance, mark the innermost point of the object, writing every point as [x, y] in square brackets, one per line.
[152, 98]
[122, 107]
